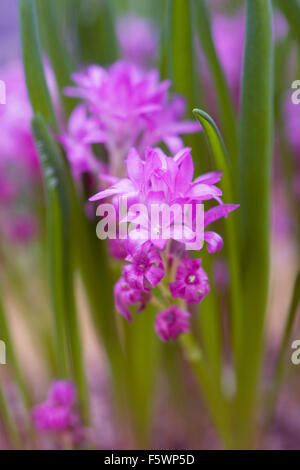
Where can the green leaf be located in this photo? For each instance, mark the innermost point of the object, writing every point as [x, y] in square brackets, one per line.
[180, 46]
[291, 11]
[96, 31]
[255, 152]
[61, 61]
[224, 99]
[33, 62]
[69, 352]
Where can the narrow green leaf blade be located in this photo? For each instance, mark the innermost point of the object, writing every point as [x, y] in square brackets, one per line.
[33, 62]
[180, 46]
[61, 60]
[255, 153]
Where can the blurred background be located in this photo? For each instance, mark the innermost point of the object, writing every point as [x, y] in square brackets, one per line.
[179, 416]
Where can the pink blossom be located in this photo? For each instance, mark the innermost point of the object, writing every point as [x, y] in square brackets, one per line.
[191, 282]
[228, 34]
[130, 107]
[159, 179]
[292, 125]
[146, 268]
[17, 146]
[126, 295]
[229, 38]
[82, 132]
[48, 417]
[170, 323]
[62, 393]
[138, 39]
[19, 163]
[19, 228]
[57, 413]
[117, 248]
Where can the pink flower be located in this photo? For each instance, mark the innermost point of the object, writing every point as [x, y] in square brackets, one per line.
[159, 180]
[230, 46]
[191, 281]
[162, 178]
[17, 146]
[138, 39]
[117, 248]
[48, 417]
[126, 295]
[20, 228]
[131, 108]
[292, 125]
[229, 37]
[56, 413]
[146, 268]
[19, 163]
[62, 393]
[170, 323]
[82, 132]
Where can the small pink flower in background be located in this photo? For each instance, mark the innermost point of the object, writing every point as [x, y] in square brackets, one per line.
[82, 132]
[229, 37]
[20, 228]
[57, 413]
[191, 282]
[129, 107]
[62, 393]
[170, 323]
[20, 176]
[292, 123]
[221, 274]
[138, 39]
[17, 146]
[228, 34]
[292, 126]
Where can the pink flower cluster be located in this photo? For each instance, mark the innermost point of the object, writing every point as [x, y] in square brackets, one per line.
[122, 107]
[162, 262]
[138, 39]
[228, 34]
[19, 167]
[57, 413]
[292, 124]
